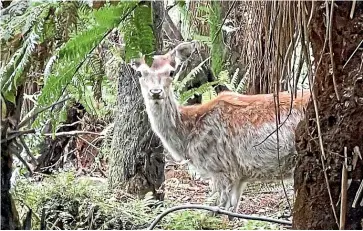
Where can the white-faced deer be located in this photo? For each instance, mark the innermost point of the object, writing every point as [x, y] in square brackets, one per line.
[222, 138]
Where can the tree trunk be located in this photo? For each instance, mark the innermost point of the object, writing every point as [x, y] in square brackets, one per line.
[9, 215]
[341, 122]
[136, 159]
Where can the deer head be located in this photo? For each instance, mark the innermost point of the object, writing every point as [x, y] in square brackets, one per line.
[155, 81]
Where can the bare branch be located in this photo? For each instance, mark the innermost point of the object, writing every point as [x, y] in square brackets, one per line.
[16, 153]
[216, 210]
[28, 117]
[15, 134]
[27, 150]
[72, 133]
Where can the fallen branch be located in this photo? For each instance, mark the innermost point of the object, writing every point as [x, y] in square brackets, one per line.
[72, 133]
[216, 210]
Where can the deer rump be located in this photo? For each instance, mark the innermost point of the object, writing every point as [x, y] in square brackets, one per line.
[225, 138]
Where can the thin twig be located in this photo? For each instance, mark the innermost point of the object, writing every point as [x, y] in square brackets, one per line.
[277, 113]
[224, 20]
[344, 188]
[27, 150]
[352, 10]
[214, 209]
[16, 153]
[350, 57]
[329, 28]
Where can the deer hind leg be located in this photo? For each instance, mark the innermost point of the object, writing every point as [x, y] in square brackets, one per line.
[234, 197]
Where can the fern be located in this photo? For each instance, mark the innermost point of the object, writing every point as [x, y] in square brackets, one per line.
[180, 85]
[243, 83]
[75, 50]
[185, 96]
[209, 95]
[71, 59]
[11, 74]
[138, 34]
[235, 77]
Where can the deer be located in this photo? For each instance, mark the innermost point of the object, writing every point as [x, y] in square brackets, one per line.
[231, 139]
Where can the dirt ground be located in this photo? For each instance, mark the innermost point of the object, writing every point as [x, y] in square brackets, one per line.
[261, 199]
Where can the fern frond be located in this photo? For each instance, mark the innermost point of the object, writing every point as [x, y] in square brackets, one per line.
[12, 72]
[138, 34]
[179, 85]
[223, 76]
[185, 96]
[235, 78]
[243, 83]
[209, 95]
[76, 49]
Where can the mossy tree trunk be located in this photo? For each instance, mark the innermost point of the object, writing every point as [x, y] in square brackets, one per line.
[341, 122]
[136, 159]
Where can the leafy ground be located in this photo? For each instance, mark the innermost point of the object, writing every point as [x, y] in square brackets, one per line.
[69, 202]
[258, 199]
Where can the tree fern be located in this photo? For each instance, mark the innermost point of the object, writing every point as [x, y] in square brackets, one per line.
[76, 49]
[12, 72]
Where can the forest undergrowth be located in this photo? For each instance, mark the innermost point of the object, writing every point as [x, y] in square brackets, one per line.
[64, 200]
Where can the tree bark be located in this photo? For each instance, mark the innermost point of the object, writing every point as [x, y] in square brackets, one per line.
[136, 159]
[341, 122]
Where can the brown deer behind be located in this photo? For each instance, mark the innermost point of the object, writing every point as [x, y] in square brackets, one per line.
[223, 138]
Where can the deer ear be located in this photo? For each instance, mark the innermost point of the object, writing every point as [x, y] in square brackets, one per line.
[137, 63]
[184, 50]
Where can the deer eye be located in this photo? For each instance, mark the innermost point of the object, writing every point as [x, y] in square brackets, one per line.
[138, 74]
[171, 74]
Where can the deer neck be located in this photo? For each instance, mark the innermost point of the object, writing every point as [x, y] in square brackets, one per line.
[166, 122]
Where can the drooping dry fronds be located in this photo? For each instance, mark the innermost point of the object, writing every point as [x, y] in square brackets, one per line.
[268, 39]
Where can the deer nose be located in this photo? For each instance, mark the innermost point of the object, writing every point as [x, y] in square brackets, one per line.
[156, 93]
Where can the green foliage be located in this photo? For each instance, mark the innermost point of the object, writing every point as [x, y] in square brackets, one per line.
[72, 201]
[259, 225]
[13, 72]
[76, 50]
[215, 21]
[180, 85]
[203, 89]
[193, 220]
[138, 34]
[72, 56]
[207, 90]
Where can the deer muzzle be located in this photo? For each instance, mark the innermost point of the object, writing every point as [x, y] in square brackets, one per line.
[156, 93]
